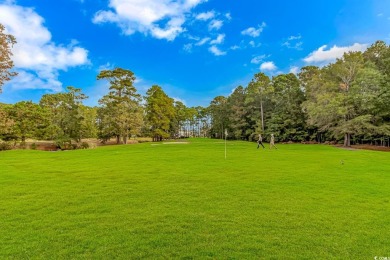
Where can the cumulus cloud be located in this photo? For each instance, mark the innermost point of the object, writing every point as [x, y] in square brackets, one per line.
[220, 38]
[205, 16]
[253, 32]
[268, 66]
[161, 19]
[322, 55]
[217, 52]
[215, 25]
[37, 58]
[259, 59]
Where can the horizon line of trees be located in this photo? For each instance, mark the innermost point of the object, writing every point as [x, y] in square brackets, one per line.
[121, 114]
[348, 100]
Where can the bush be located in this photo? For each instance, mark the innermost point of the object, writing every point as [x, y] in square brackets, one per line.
[33, 146]
[5, 146]
[63, 144]
[84, 145]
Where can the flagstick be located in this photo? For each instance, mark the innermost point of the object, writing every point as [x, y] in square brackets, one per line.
[225, 142]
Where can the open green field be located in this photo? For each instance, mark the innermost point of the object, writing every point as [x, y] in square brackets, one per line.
[187, 201]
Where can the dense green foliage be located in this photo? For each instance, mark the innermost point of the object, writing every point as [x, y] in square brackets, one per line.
[345, 101]
[120, 114]
[187, 201]
[6, 63]
[160, 112]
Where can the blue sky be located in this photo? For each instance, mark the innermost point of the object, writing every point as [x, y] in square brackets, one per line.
[194, 49]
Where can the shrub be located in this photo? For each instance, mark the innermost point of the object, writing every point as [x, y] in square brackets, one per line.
[63, 144]
[5, 146]
[84, 145]
[33, 146]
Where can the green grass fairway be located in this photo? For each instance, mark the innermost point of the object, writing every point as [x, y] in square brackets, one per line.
[165, 201]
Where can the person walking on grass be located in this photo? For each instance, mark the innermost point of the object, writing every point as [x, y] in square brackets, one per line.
[260, 142]
[272, 142]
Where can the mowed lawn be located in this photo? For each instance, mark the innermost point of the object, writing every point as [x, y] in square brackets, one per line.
[164, 201]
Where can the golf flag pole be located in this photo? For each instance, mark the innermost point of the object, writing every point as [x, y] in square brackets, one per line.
[226, 133]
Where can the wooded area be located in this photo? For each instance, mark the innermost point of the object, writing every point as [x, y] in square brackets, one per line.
[346, 101]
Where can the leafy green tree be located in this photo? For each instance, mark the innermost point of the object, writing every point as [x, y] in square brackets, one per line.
[344, 97]
[258, 103]
[160, 112]
[177, 124]
[219, 116]
[6, 63]
[311, 80]
[106, 122]
[120, 114]
[287, 120]
[88, 124]
[237, 113]
[6, 123]
[379, 54]
[202, 118]
[28, 118]
[192, 114]
[64, 114]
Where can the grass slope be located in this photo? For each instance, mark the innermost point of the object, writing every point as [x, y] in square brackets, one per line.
[187, 201]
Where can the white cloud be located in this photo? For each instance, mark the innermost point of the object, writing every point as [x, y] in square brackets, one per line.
[107, 66]
[293, 42]
[253, 44]
[253, 32]
[35, 80]
[268, 66]
[259, 59]
[215, 25]
[292, 37]
[220, 38]
[205, 16]
[180, 100]
[323, 55]
[172, 29]
[37, 58]
[294, 69]
[147, 16]
[217, 52]
[228, 16]
[187, 47]
[203, 41]
[235, 47]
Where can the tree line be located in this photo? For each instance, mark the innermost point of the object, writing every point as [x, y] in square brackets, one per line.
[121, 113]
[347, 101]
